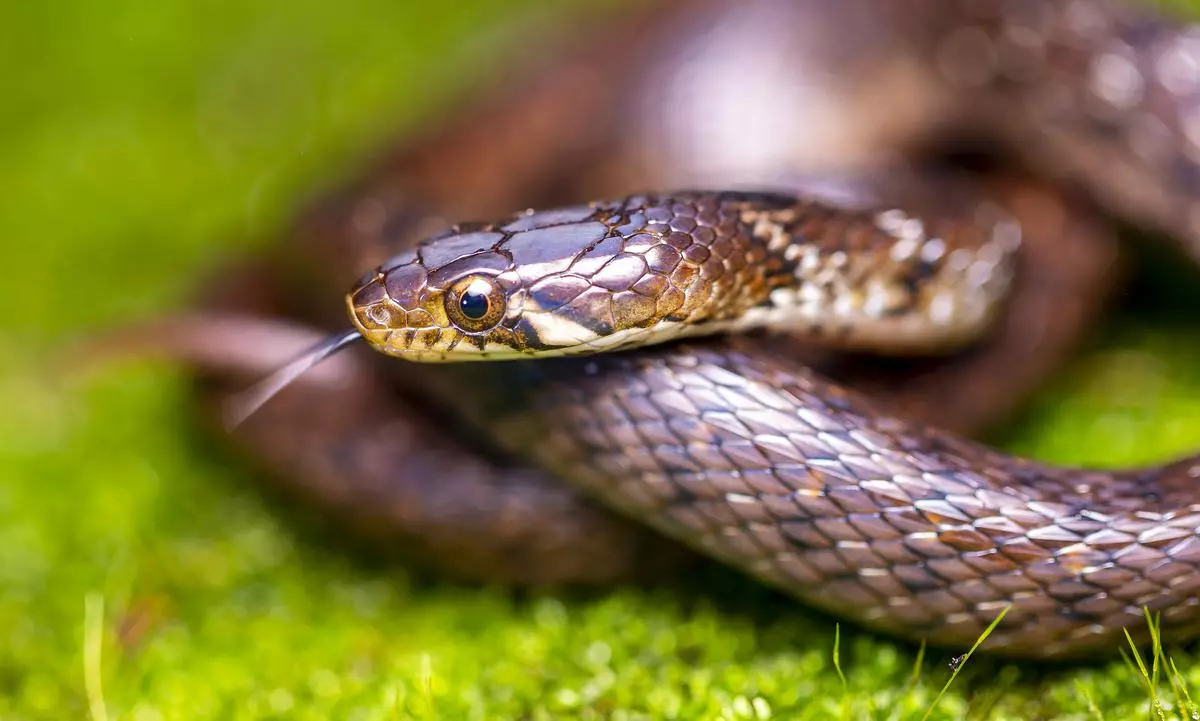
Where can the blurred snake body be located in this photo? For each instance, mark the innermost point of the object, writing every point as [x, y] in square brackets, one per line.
[727, 442]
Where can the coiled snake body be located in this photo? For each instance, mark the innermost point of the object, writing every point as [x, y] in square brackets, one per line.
[853, 500]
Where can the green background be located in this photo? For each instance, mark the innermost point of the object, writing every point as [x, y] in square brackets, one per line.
[142, 575]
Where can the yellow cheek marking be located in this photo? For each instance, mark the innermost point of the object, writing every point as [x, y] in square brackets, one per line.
[554, 330]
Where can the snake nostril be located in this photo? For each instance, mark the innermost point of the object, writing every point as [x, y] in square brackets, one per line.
[379, 315]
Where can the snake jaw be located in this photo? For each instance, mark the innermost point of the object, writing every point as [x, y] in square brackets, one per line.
[426, 334]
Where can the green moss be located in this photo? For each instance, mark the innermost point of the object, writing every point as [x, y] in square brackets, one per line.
[141, 573]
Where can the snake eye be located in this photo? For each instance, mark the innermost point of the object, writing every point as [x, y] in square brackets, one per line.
[475, 304]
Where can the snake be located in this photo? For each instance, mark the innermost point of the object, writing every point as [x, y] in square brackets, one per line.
[696, 364]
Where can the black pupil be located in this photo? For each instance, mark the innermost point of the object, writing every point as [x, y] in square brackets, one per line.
[473, 305]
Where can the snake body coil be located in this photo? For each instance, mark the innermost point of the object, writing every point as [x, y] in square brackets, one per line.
[768, 466]
[730, 444]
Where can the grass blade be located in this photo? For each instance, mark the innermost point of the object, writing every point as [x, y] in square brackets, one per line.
[93, 646]
[837, 664]
[1155, 706]
[959, 667]
[1091, 702]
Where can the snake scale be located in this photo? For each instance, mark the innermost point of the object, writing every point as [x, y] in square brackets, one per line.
[794, 458]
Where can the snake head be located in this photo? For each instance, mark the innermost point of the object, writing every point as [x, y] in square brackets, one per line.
[649, 269]
[421, 310]
[521, 287]
[571, 281]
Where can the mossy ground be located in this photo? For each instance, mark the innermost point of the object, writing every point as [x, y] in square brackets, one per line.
[142, 574]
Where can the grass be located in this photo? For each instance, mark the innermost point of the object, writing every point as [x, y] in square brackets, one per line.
[143, 577]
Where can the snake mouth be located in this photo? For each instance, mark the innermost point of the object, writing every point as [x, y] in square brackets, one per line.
[429, 343]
